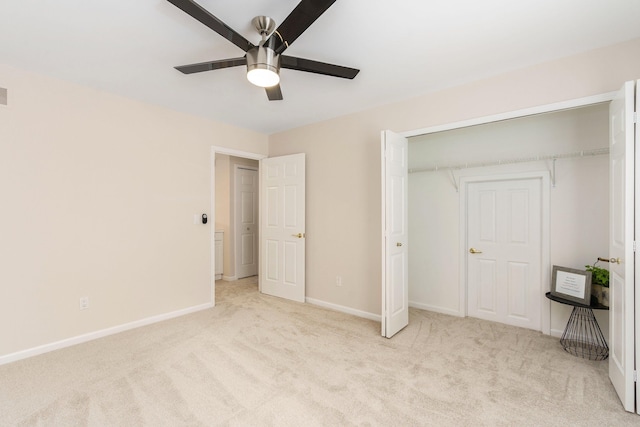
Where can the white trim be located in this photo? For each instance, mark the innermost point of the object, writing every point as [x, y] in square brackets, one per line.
[238, 153]
[636, 236]
[343, 309]
[557, 333]
[541, 109]
[212, 260]
[435, 309]
[383, 234]
[229, 278]
[23, 354]
[383, 216]
[545, 261]
[212, 227]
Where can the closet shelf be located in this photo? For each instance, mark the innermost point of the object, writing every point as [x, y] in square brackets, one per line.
[460, 166]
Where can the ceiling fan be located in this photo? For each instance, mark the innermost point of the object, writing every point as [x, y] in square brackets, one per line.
[265, 60]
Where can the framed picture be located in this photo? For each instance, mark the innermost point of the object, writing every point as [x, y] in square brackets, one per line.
[571, 284]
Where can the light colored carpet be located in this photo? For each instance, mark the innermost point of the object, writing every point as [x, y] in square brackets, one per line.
[258, 360]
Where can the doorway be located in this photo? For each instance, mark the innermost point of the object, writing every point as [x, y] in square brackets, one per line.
[223, 162]
[578, 184]
[281, 215]
[228, 209]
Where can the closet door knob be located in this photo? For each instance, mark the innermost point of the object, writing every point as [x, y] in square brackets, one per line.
[474, 251]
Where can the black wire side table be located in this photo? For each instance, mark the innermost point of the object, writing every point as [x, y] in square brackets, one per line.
[583, 337]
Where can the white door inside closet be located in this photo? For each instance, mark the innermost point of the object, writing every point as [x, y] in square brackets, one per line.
[622, 334]
[504, 250]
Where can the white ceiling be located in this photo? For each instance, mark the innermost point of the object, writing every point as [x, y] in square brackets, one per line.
[404, 48]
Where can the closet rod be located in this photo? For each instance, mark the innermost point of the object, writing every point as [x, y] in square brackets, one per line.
[584, 153]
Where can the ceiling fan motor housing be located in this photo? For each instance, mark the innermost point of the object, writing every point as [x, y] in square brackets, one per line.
[263, 58]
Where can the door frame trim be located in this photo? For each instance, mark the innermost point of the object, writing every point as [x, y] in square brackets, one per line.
[532, 111]
[212, 207]
[545, 260]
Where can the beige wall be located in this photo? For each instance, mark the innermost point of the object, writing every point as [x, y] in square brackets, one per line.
[98, 197]
[343, 160]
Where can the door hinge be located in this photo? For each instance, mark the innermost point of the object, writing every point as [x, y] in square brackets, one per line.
[635, 376]
[635, 117]
[634, 246]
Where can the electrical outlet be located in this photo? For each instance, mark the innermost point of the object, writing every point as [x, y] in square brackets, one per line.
[338, 280]
[84, 303]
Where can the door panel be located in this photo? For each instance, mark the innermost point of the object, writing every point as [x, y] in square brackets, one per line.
[271, 255]
[395, 285]
[504, 228]
[248, 257]
[518, 230]
[397, 295]
[517, 292]
[487, 217]
[486, 295]
[283, 227]
[621, 216]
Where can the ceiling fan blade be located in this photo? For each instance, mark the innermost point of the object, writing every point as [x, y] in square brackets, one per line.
[310, 66]
[305, 14]
[198, 12]
[274, 93]
[211, 65]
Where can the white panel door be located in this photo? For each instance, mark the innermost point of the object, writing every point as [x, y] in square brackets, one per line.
[504, 234]
[282, 227]
[395, 278]
[246, 221]
[621, 235]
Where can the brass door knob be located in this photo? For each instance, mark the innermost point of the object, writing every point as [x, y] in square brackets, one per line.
[398, 244]
[299, 235]
[474, 251]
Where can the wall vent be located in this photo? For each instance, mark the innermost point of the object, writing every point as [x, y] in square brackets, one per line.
[3, 96]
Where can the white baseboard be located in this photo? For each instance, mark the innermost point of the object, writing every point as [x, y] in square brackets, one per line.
[557, 333]
[436, 309]
[23, 354]
[343, 309]
[229, 278]
[377, 317]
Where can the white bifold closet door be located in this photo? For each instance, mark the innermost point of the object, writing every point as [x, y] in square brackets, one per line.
[622, 300]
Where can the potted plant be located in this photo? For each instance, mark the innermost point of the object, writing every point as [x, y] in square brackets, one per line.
[599, 283]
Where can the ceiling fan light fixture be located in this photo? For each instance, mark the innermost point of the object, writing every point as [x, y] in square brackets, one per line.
[263, 66]
[263, 77]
